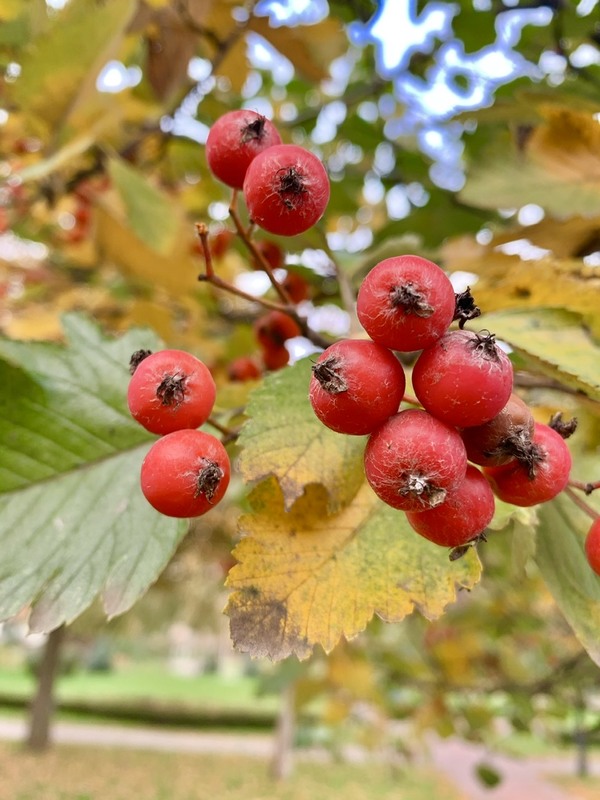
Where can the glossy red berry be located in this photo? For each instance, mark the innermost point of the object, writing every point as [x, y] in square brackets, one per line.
[286, 189]
[170, 390]
[506, 436]
[406, 303]
[463, 516]
[413, 460]
[234, 140]
[539, 481]
[592, 546]
[356, 385]
[464, 378]
[185, 473]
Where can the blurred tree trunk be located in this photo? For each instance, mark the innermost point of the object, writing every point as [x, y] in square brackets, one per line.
[42, 706]
[282, 762]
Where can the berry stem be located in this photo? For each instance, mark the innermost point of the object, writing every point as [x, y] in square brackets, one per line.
[211, 277]
[581, 504]
[256, 254]
[586, 488]
[229, 435]
[412, 401]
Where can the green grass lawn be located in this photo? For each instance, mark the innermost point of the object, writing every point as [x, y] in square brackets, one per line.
[143, 681]
[76, 773]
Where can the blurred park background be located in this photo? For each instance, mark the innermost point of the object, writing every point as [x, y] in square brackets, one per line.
[467, 132]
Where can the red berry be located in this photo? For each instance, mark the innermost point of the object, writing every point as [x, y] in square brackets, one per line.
[296, 287]
[406, 303]
[464, 378]
[465, 513]
[171, 390]
[274, 328]
[286, 189]
[592, 546]
[413, 460]
[539, 481]
[244, 368]
[275, 356]
[185, 473]
[356, 385]
[508, 435]
[271, 252]
[234, 140]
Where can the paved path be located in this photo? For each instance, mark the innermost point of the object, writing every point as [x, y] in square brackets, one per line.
[523, 779]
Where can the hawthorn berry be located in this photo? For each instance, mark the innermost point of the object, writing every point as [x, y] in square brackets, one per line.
[244, 368]
[286, 189]
[542, 479]
[185, 473]
[170, 390]
[406, 303]
[464, 378]
[462, 517]
[275, 356]
[271, 252]
[234, 140]
[413, 460]
[592, 546]
[274, 328]
[506, 436]
[356, 385]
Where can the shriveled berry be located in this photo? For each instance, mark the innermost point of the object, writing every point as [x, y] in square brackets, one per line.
[506, 436]
[524, 486]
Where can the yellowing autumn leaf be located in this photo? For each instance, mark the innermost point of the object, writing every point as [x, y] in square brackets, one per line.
[558, 168]
[554, 343]
[307, 578]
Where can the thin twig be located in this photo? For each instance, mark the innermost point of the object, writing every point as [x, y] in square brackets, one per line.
[228, 434]
[581, 504]
[587, 488]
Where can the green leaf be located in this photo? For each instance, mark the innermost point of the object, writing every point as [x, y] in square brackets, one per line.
[553, 342]
[63, 62]
[307, 577]
[561, 558]
[73, 522]
[284, 438]
[151, 214]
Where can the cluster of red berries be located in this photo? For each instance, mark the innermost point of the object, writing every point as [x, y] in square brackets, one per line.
[186, 472]
[285, 186]
[423, 460]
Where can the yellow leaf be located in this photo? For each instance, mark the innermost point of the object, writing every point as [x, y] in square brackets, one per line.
[310, 48]
[57, 70]
[306, 577]
[510, 282]
[176, 272]
[558, 168]
[284, 438]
